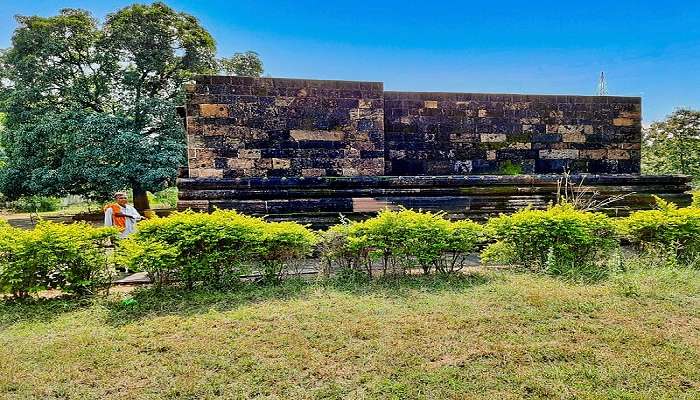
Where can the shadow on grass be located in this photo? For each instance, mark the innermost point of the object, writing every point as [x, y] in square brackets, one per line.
[39, 310]
[150, 302]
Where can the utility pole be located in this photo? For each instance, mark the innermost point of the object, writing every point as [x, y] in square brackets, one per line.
[602, 86]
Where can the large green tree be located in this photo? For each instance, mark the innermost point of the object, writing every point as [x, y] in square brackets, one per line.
[241, 64]
[672, 146]
[91, 107]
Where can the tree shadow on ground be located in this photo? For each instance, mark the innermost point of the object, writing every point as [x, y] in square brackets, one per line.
[39, 309]
[150, 302]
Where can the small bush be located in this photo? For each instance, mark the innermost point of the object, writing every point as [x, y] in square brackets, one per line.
[70, 257]
[668, 228]
[166, 197]
[559, 241]
[36, 204]
[696, 199]
[402, 240]
[214, 249]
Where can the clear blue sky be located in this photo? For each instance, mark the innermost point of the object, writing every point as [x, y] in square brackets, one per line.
[647, 48]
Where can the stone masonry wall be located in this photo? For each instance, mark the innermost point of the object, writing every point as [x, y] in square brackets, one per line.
[244, 127]
[265, 127]
[465, 133]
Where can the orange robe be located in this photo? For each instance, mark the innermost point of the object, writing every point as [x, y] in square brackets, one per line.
[118, 221]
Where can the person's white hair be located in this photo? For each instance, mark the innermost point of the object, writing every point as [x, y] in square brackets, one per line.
[120, 194]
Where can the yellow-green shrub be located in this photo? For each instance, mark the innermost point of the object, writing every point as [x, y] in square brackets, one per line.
[668, 227]
[402, 240]
[560, 240]
[215, 249]
[70, 257]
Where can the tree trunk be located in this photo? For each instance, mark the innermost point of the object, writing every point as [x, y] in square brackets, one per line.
[140, 199]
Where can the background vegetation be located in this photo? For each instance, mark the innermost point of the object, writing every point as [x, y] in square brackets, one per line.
[90, 106]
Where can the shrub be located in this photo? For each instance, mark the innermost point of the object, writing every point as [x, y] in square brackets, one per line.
[283, 243]
[402, 240]
[36, 204]
[70, 257]
[465, 236]
[668, 227]
[215, 249]
[560, 240]
[156, 258]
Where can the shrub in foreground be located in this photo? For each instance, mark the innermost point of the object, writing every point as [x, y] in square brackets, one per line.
[214, 249]
[666, 228]
[402, 240]
[55, 256]
[560, 240]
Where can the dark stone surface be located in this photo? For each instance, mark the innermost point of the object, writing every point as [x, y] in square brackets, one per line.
[241, 127]
[284, 127]
[447, 133]
[310, 149]
[319, 199]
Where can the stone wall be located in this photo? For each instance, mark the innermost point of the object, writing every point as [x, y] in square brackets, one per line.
[242, 127]
[467, 133]
[247, 127]
[319, 200]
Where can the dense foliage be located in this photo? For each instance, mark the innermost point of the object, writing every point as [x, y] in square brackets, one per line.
[668, 227]
[215, 249]
[560, 240]
[35, 204]
[672, 146]
[67, 257]
[402, 240]
[241, 64]
[91, 107]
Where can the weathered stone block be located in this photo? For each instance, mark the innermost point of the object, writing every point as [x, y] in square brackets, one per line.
[213, 110]
[248, 153]
[206, 173]
[240, 163]
[559, 154]
[594, 154]
[279, 163]
[624, 122]
[493, 137]
[313, 172]
[573, 138]
[615, 154]
[299, 135]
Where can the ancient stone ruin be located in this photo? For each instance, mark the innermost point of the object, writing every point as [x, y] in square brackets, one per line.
[311, 149]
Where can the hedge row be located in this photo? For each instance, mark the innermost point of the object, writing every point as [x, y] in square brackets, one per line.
[215, 250]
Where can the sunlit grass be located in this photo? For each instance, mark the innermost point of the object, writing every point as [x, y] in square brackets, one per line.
[494, 335]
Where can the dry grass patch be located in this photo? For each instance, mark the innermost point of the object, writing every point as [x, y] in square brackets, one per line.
[488, 336]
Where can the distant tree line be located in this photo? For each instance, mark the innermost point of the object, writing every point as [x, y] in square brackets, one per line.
[89, 107]
[672, 146]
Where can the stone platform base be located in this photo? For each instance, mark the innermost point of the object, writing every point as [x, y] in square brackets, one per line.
[319, 201]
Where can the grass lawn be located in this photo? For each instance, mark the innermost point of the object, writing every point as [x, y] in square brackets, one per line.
[500, 335]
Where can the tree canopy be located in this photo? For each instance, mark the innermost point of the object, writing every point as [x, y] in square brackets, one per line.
[672, 146]
[91, 107]
[241, 64]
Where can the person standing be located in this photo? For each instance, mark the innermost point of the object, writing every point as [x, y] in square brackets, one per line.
[122, 215]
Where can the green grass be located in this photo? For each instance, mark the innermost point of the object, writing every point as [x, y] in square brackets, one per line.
[495, 335]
